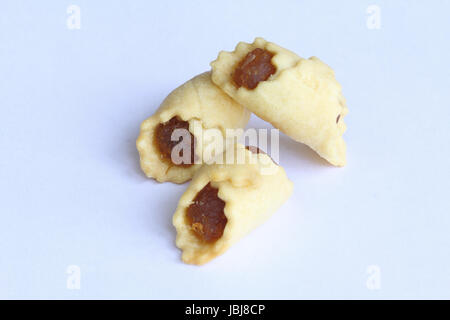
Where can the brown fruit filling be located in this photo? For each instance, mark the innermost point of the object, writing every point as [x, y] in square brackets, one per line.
[164, 143]
[254, 68]
[254, 149]
[257, 150]
[206, 216]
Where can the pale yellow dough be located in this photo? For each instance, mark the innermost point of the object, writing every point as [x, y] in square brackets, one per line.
[252, 189]
[201, 103]
[302, 99]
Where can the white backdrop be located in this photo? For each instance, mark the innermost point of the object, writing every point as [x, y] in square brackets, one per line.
[72, 193]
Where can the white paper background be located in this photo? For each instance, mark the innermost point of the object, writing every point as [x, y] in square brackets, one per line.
[71, 191]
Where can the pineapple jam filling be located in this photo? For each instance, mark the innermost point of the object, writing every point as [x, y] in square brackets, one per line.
[164, 143]
[254, 68]
[206, 216]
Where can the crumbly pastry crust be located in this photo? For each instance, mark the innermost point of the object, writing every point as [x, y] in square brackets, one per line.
[252, 192]
[302, 98]
[201, 103]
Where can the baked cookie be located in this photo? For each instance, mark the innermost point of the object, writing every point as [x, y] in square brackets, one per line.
[226, 201]
[301, 97]
[195, 106]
